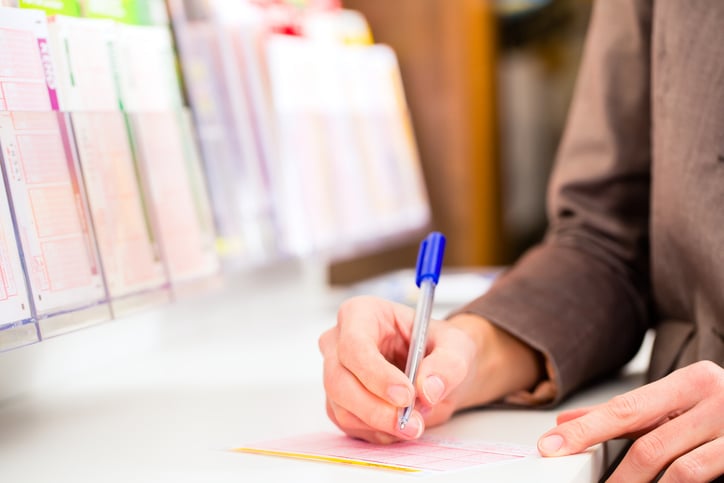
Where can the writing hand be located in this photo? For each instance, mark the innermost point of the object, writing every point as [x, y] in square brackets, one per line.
[468, 362]
[364, 358]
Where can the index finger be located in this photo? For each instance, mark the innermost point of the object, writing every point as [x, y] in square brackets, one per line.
[622, 415]
[367, 339]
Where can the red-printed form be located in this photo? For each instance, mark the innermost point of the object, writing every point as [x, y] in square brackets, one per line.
[27, 79]
[223, 57]
[81, 48]
[127, 246]
[303, 185]
[177, 193]
[348, 172]
[391, 116]
[396, 189]
[353, 186]
[429, 454]
[54, 229]
[14, 304]
[241, 217]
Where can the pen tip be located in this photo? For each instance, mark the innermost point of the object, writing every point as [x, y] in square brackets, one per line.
[402, 425]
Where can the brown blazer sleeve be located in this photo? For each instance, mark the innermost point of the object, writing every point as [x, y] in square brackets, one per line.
[581, 297]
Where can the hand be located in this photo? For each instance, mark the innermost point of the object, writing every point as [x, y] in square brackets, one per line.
[677, 421]
[468, 362]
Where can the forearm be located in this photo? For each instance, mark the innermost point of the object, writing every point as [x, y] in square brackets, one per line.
[582, 316]
[582, 297]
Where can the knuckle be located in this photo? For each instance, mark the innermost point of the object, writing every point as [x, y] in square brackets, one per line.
[332, 380]
[378, 437]
[381, 417]
[350, 305]
[347, 352]
[345, 307]
[686, 468]
[345, 419]
[326, 340]
[708, 374]
[707, 367]
[648, 451]
[576, 433]
[624, 406]
[371, 436]
[331, 413]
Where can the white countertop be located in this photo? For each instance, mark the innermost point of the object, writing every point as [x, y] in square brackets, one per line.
[163, 396]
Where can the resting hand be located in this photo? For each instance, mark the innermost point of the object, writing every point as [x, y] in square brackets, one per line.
[364, 359]
[678, 423]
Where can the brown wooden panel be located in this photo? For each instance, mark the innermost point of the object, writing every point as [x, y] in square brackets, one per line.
[446, 51]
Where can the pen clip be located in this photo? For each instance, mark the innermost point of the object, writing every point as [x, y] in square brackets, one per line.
[429, 258]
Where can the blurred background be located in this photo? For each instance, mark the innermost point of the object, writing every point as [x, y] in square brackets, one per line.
[488, 84]
[152, 148]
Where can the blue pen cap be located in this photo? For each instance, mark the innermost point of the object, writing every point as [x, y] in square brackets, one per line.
[429, 258]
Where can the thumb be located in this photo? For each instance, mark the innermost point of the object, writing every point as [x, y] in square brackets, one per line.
[446, 366]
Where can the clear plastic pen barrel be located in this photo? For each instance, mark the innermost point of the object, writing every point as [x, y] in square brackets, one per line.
[418, 339]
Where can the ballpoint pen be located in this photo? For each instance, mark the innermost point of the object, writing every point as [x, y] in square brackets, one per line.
[427, 274]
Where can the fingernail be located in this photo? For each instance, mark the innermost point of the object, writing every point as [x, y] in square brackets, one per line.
[399, 396]
[433, 388]
[550, 445]
[414, 427]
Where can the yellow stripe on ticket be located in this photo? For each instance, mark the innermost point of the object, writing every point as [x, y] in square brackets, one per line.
[327, 459]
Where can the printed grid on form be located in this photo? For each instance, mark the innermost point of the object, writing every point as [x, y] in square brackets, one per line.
[22, 66]
[55, 233]
[125, 240]
[428, 454]
[14, 305]
[175, 186]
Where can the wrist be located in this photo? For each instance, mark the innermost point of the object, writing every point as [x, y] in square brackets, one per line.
[503, 363]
